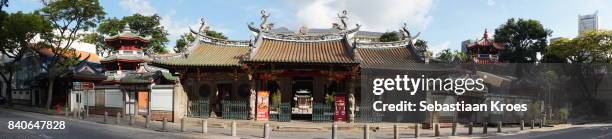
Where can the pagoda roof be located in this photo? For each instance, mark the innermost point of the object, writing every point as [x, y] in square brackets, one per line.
[208, 54]
[127, 34]
[287, 51]
[126, 58]
[485, 41]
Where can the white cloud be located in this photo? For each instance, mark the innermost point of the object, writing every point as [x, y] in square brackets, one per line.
[137, 6]
[490, 2]
[372, 15]
[438, 48]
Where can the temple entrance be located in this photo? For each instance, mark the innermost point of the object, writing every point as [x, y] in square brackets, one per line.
[302, 97]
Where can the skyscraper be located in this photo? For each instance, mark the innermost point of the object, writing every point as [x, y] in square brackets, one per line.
[588, 22]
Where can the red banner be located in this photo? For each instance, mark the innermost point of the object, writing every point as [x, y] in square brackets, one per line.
[262, 105]
[340, 108]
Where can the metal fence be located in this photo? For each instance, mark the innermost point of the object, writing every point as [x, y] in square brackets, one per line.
[234, 109]
[322, 112]
[284, 114]
[199, 109]
[368, 115]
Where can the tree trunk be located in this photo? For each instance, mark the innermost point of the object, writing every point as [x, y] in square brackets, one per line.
[50, 92]
[9, 92]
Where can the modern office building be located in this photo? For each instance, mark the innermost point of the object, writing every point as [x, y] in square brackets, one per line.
[588, 22]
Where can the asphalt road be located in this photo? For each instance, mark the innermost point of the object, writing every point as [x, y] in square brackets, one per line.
[590, 131]
[75, 129]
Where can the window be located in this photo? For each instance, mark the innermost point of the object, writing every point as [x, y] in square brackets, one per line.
[128, 52]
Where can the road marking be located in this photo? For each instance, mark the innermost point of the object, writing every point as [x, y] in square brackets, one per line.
[603, 136]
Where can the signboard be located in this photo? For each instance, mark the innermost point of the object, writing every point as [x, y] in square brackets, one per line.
[340, 108]
[82, 85]
[263, 100]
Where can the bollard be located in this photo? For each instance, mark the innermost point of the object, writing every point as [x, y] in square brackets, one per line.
[118, 118]
[204, 127]
[522, 124]
[74, 113]
[436, 129]
[416, 129]
[499, 126]
[182, 124]
[164, 123]
[532, 124]
[147, 120]
[540, 125]
[470, 128]
[131, 119]
[454, 129]
[105, 117]
[366, 131]
[233, 128]
[334, 132]
[67, 112]
[395, 132]
[484, 127]
[266, 134]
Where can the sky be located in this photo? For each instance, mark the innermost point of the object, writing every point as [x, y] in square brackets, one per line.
[442, 23]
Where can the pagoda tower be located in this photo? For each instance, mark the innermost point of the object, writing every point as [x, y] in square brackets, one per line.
[127, 51]
[485, 50]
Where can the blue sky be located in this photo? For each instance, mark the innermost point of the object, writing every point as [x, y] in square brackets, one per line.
[443, 23]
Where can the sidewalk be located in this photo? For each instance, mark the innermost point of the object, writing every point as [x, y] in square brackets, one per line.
[221, 128]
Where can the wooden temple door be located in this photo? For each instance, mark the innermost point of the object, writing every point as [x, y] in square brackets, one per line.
[143, 103]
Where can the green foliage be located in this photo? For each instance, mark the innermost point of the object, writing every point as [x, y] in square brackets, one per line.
[523, 38]
[181, 43]
[276, 98]
[534, 111]
[215, 34]
[449, 56]
[3, 3]
[591, 47]
[389, 37]
[421, 46]
[144, 25]
[68, 17]
[17, 31]
[329, 99]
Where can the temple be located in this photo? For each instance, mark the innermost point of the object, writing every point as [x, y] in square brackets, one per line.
[302, 72]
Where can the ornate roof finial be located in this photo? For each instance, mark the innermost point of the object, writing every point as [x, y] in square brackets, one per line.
[343, 21]
[303, 30]
[406, 33]
[126, 28]
[203, 26]
[265, 26]
[486, 34]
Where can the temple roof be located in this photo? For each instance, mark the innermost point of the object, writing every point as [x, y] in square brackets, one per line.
[126, 58]
[385, 56]
[283, 51]
[208, 54]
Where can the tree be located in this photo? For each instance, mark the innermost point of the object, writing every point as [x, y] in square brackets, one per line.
[590, 54]
[68, 17]
[144, 25]
[3, 3]
[449, 56]
[389, 37]
[187, 38]
[421, 47]
[97, 40]
[18, 30]
[181, 43]
[523, 38]
[591, 47]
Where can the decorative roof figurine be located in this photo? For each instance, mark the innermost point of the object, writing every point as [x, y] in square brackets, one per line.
[406, 33]
[343, 21]
[203, 26]
[303, 30]
[265, 26]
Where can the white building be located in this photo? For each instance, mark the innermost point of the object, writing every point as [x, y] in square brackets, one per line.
[588, 22]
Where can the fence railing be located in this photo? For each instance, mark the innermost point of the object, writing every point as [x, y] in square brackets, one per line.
[234, 109]
[199, 109]
[368, 115]
[322, 112]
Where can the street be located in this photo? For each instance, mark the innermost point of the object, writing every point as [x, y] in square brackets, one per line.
[591, 131]
[94, 129]
[75, 129]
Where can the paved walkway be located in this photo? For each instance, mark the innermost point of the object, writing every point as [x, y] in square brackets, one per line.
[221, 128]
